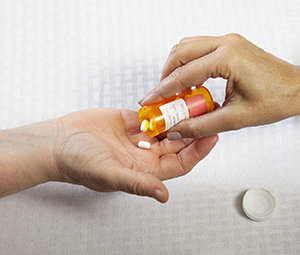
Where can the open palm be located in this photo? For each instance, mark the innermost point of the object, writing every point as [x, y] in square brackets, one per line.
[98, 148]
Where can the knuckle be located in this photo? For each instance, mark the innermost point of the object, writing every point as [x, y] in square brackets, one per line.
[177, 78]
[175, 49]
[135, 186]
[174, 59]
[184, 40]
[230, 55]
[234, 38]
[227, 50]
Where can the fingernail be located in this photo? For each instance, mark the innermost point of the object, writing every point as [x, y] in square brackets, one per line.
[158, 195]
[174, 136]
[141, 100]
[144, 100]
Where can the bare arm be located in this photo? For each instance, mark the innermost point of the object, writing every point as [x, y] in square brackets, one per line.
[96, 148]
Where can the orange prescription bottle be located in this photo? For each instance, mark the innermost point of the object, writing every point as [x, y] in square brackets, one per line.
[159, 117]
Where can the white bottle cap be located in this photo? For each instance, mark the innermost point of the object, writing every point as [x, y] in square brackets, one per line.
[259, 204]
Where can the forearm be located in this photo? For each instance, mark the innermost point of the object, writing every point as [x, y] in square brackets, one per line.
[295, 104]
[24, 157]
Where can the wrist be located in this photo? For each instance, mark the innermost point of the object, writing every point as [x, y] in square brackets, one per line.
[26, 156]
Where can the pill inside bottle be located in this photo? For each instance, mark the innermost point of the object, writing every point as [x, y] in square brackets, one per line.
[159, 117]
[144, 125]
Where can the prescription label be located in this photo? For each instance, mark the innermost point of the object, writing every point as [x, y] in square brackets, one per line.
[174, 112]
[197, 105]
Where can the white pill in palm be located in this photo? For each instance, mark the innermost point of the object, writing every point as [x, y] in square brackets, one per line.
[144, 144]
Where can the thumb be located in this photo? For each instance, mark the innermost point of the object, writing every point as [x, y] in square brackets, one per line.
[142, 184]
[222, 119]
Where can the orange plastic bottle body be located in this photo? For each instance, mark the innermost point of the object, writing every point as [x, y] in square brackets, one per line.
[162, 115]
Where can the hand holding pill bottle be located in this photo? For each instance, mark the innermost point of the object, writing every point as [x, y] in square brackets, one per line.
[159, 117]
[260, 88]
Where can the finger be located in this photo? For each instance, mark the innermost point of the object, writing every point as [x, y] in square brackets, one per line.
[174, 165]
[130, 121]
[187, 50]
[112, 176]
[194, 38]
[222, 119]
[216, 105]
[161, 136]
[193, 73]
[184, 52]
[170, 147]
[202, 146]
[142, 184]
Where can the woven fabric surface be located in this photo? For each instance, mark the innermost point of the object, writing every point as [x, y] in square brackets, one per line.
[60, 56]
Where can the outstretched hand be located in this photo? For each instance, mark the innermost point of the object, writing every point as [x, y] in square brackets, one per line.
[98, 148]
